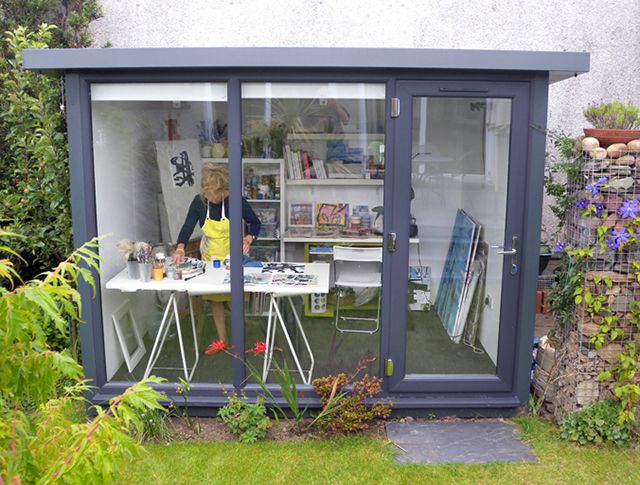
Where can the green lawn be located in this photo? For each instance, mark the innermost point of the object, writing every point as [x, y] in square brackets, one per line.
[364, 460]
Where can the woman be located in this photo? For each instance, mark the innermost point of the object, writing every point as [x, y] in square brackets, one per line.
[209, 209]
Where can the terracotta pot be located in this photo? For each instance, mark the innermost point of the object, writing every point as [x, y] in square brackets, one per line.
[609, 137]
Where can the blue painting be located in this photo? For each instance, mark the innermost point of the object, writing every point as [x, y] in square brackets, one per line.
[454, 275]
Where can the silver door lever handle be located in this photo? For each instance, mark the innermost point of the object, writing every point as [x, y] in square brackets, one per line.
[506, 252]
[513, 252]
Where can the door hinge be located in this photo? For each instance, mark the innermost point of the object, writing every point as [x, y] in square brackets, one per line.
[388, 367]
[391, 242]
[395, 107]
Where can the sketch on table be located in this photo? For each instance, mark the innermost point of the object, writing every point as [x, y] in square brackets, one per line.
[283, 268]
[250, 279]
[294, 280]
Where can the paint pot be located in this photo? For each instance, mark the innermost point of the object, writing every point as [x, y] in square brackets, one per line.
[157, 273]
[132, 270]
[145, 271]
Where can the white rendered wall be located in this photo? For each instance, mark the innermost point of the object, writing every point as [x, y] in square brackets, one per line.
[609, 30]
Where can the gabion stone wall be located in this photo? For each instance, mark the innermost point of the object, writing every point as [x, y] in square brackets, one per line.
[605, 216]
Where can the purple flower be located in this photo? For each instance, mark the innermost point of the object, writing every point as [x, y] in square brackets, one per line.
[559, 247]
[602, 181]
[599, 208]
[618, 238]
[593, 189]
[629, 209]
[582, 203]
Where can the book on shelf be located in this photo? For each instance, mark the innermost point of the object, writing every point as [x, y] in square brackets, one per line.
[337, 169]
[298, 165]
[287, 156]
[318, 165]
[321, 249]
[306, 164]
[301, 166]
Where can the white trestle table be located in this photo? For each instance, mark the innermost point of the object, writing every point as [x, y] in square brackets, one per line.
[212, 282]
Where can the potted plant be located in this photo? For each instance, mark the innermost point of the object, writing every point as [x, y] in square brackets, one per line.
[613, 121]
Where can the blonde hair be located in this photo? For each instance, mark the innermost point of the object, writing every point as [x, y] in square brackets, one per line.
[215, 181]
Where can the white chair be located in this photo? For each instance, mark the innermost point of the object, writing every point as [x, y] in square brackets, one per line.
[357, 267]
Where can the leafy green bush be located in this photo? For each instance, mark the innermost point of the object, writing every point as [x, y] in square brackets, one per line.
[73, 18]
[43, 438]
[248, 421]
[597, 423]
[35, 187]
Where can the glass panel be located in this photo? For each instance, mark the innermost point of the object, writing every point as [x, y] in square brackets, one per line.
[459, 170]
[150, 141]
[313, 174]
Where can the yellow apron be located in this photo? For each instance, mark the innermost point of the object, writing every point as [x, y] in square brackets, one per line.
[215, 243]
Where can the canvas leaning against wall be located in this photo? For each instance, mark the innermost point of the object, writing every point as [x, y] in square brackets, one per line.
[455, 275]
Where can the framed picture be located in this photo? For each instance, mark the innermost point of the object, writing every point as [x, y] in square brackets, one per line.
[128, 335]
[301, 215]
[336, 215]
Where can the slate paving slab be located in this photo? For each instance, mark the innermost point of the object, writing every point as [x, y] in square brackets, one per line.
[458, 442]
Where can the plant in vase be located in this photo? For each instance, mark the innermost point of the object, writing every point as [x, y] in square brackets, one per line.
[212, 136]
[613, 122]
[288, 116]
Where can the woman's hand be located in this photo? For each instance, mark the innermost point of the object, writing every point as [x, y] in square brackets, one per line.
[246, 244]
[178, 254]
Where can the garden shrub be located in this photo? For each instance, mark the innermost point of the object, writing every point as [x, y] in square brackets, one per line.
[349, 410]
[72, 18]
[43, 436]
[34, 189]
[248, 421]
[597, 423]
[35, 186]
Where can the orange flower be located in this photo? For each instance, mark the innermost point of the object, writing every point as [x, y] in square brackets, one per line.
[217, 346]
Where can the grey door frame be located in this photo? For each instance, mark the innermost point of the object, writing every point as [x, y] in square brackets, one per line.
[396, 263]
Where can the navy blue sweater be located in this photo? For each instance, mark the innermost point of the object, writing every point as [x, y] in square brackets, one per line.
[198, 213]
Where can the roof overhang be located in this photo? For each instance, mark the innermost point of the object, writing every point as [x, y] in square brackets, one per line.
[559, 65]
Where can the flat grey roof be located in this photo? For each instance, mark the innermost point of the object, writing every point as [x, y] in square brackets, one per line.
[560, 65]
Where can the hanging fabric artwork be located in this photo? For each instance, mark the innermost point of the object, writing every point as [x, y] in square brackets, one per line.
[179, 164]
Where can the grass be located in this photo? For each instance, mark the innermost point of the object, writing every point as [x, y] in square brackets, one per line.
[364, 460]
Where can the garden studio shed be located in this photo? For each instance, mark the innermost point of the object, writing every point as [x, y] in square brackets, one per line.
[400, 188]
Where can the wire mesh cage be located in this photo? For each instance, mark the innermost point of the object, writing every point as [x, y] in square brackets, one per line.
[602, 232]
